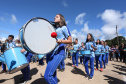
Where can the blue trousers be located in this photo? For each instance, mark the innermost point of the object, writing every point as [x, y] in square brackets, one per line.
[62, 64]
[75, 57]
[82, 59]
[106, 57]
[26, 70]
[98, 58]
[50, 72]
[3, 66]
[34, 58]
[91, 66]
[103, 59]
[41, 62]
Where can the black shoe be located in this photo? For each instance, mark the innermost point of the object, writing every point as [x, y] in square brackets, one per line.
[2, 71]
[22, 81]
[62, 70]
[90, 78]
[86, 76]
[22, 78]
[104, 67]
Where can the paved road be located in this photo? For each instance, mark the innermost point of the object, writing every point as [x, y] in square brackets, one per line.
[115, 73]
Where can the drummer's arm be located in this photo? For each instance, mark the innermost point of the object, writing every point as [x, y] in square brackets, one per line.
[68, 41]
[95, 48]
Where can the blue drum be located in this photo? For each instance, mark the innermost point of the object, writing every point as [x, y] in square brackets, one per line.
[73, 51]
[40, 56]
[80, 55]
[14, 59]
[34, 28]
[2, 59]
[22, 40]
[87, 52]
[82, 52]
[98, 53]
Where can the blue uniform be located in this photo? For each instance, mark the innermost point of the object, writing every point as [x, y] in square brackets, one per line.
[90, 57]
[103, 55]
[9, 45]
[107, 53]
[82, 57]
[75, 54]
[26, 71]
[98, 56]
[57, 56]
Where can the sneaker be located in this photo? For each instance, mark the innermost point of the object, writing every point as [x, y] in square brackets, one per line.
[104, 67]
[86, 76]
[73, 65]
[90, 78]
[101, 70]
[22, 81]
[96, 69]
[2, 71]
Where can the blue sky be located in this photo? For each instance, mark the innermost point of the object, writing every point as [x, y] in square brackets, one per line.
[98, 17]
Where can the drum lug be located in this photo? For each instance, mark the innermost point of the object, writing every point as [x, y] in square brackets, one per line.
[35, 19]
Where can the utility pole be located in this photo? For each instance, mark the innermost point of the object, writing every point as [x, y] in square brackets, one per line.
[117, 35]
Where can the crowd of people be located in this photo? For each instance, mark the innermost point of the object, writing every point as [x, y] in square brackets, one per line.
[98, 53]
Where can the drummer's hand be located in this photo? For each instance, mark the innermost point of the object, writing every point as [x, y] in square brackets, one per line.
[92, 46]
[59, 41]
[93, 49]
[23, 50]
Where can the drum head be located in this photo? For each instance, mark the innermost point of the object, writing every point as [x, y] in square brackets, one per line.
[37, 36]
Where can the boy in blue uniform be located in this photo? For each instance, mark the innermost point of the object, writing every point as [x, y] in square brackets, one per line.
[107, 52]
[8, 44]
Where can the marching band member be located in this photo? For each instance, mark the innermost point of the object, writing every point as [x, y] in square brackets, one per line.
[75, 54]
[26, 71]
[90, 45]
[107, 52]
[103, 53]
[98, 56]
[82, 57]
[59, 52]
[9, 43]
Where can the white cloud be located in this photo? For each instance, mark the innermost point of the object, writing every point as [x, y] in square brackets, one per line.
[2, 39]
[13, 19]
[2, 18]
[67, 22]
[75, 34]
[95, 32]
[80, 18]
[64, 4]
[112, 18]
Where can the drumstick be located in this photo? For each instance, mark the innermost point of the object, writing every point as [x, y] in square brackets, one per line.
[53, 34]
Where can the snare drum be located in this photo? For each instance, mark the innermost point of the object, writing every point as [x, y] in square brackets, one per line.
[98, 53]
[35, 36]
[73, 51]
[2, 59]
[87, 52]
[82, 52]
[14, 59]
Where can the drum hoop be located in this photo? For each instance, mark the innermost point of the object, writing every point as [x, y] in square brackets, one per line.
[24, 31]
[20, 38]
[11, 48]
